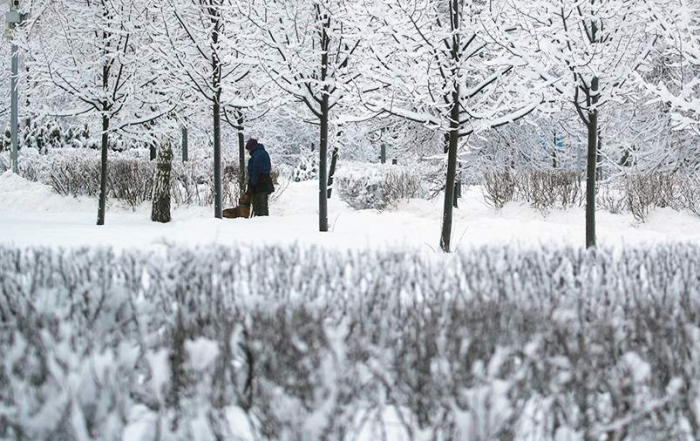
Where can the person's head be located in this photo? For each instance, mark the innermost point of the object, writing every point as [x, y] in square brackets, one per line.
[251, 144]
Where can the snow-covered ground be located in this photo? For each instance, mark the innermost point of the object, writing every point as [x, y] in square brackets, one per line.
[31, 214]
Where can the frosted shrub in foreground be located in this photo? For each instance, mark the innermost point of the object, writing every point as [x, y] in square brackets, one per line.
[287, 343]
[379, 187]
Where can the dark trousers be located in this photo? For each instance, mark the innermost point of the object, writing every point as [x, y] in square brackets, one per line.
[260, 204]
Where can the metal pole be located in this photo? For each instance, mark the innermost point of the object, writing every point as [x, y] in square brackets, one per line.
[382, 156]
[14, 117]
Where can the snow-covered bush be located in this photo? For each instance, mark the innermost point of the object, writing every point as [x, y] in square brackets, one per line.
[543, 190]
[643, 192]
[650, 190]
[635, 193]
[612, 197]
[689, 193]
[6, 143]
[290, 343]
[374, 186]
[43, 136]
[74, 174]
[499, 187]
[307, 166]
[130, 177]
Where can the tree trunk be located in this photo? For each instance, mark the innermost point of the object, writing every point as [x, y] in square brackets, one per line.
[105, 107]
[451, 173]
[457, 194]
[458, 187]
[591, 167]
[453, 139]
[103, 171]
[323, 147]
[599, 158]
[322, 168]
[161, 192]
[331, 174]
[216, 86]
[217, 160]
[218, 211]
[241, 156]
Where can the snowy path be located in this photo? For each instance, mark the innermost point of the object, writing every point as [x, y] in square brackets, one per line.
[30, 214]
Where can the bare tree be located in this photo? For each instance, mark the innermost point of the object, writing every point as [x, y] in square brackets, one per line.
[589, 52]
[90, 52]
[199, 47]
[441, 72]
[307, 48]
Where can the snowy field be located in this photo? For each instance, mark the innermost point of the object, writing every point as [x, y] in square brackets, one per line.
[31, 214]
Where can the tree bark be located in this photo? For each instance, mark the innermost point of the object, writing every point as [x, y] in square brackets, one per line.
[331, 174]
[592, 167]
[241, 156]
[216, 86]
[451, 173]
[322, 167]
[599, 158]
[218, 211]
[323, 147]
[103, 171]
[457, 194]
[161, 193]
[106, 108]
[453, 138]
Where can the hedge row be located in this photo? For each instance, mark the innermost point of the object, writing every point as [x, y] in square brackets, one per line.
[362, 186]
[635, 193]
[290, 344]
[130, 178]
[375, 186]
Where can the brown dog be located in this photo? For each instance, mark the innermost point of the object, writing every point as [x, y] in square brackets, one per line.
[243, 209]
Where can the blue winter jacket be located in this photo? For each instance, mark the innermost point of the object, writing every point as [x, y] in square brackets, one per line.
[258, 164]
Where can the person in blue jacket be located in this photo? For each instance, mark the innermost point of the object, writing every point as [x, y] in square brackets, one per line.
[259, 182]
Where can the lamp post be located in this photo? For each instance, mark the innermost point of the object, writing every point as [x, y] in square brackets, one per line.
[13, 18]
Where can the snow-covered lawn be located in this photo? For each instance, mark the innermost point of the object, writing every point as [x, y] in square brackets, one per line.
[31, 214]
